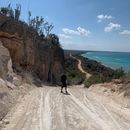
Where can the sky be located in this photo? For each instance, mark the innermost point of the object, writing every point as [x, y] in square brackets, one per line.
[101, 25]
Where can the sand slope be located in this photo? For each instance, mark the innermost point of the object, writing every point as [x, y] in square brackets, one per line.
[47, 109]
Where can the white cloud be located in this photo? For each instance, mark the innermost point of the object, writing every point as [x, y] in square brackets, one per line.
[83, 31]
[69, 31]
[125, 32]
[102, 17]
[78, 31]
[64, 36]
[112, 26]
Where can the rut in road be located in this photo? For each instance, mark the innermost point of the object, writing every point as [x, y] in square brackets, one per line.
[48, 109]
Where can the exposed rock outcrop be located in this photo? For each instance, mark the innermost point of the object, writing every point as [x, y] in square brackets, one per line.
[4, 60]
[13, 44]
[30, 52]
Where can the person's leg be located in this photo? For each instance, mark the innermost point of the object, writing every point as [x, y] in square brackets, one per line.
[62, 88]
[66, 88]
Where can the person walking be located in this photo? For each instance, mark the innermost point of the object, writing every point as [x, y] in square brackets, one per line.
[64, 83]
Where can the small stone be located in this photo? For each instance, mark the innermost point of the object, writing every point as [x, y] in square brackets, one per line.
[1, 123]
[10, 85]
[5, 122]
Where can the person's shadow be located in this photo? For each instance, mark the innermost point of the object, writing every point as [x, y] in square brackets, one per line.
[66, 93]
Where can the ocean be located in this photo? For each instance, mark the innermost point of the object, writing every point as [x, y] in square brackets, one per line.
[114, 60]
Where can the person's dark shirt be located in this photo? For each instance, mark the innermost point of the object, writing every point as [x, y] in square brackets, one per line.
[63, 78]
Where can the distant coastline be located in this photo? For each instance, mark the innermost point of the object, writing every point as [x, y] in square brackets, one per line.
[75, 51]
[114, 60]
[121, 59]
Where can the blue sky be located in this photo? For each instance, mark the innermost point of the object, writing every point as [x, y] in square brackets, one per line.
[102, 25]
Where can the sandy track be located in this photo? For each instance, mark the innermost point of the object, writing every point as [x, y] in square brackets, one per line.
[47, 109]
[88, 75]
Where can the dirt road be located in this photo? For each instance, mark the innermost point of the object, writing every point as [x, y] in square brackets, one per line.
[88, 75]
[48, 109]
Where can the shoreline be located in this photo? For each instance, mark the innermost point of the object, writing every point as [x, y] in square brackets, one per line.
[100, 63]
[80, 54]
[100, 73]
[126, 70]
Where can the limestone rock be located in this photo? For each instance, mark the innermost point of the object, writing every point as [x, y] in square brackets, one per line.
[4, 59]
[17, 80]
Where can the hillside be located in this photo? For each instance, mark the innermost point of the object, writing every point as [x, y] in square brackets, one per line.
[30, 51]
[31, 63]
[28, 57]
[112, 80]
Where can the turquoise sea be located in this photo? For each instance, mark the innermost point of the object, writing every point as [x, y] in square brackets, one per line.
[114, 60]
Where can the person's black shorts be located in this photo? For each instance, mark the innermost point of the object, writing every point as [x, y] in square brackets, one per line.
[64, 85]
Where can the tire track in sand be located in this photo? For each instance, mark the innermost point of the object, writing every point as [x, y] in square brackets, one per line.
[94, 116]
[47, 119]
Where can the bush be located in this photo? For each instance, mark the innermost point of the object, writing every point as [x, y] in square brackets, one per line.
[93, 80]
[74, 75]
[118, 73]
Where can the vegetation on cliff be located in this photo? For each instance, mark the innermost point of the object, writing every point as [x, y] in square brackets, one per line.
[100, 73]
[31, 45]
[74, 75]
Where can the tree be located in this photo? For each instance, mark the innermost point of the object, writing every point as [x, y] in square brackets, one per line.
[48, 28]
[39, 21]
[11, 13]
[36, 23]
[17, 12]
[40, 25]
[8, 11]
[29, 18]
[55, 39]
[4, 10]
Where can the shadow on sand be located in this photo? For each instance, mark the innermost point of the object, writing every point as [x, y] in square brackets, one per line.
[65, 93]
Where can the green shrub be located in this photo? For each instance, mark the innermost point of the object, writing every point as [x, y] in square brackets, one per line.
[74, 75]
[93, 80]
[118, 73]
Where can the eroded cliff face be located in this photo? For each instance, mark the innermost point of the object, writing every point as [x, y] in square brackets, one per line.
[30, 52]
[4, 60]
[13, 44]
[50, 62]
